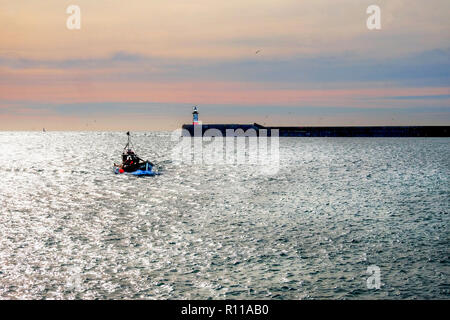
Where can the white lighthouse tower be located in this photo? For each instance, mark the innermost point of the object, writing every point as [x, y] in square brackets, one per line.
[195, 115]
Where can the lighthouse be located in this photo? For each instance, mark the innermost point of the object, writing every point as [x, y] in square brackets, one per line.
[195, 115]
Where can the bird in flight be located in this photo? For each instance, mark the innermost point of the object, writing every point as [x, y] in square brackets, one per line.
[257, 51]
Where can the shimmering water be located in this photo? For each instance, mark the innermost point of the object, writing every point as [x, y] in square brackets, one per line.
[70, 228]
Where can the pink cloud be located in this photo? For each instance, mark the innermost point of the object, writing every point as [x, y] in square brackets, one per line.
[202, 93]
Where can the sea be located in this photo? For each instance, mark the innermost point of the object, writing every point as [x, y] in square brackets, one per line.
[338, 218]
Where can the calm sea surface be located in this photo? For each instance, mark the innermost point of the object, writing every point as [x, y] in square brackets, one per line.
[70, 228]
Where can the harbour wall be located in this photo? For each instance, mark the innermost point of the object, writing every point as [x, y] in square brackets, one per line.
[359, 131]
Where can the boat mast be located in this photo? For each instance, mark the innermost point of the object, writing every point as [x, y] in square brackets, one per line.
[128, 145]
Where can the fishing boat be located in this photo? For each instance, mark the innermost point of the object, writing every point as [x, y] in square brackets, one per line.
[132, 164]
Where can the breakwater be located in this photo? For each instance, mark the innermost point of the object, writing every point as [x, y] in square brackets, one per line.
[357, 131]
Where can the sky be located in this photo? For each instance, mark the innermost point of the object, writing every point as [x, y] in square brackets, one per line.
[143, 64]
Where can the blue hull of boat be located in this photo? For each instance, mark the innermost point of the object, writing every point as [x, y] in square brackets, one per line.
[144, 173]
[139, 173]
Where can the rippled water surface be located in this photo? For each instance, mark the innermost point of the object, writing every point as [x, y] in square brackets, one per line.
[70, 228]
